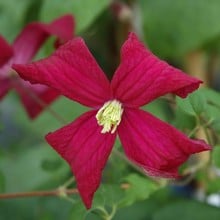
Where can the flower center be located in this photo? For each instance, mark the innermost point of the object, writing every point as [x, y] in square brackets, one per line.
[109, 116]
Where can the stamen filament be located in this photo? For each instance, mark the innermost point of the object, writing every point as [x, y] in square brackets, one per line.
[109, 116]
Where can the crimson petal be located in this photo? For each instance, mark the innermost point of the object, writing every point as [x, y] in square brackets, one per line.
[71, 70]
[34, 97]
[142, 77]
[34, 35]
[5, 86]
[86, 149]
[6, 51]
[155, 145]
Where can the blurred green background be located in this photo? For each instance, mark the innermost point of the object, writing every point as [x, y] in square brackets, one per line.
[185, 33]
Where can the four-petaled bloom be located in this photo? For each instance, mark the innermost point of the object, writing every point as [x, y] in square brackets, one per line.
[25, 46]
[140, 78]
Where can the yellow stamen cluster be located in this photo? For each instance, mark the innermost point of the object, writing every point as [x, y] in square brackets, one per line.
[109, 116]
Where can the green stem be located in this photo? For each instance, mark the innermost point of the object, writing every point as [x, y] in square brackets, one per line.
[68, 182]
[56, 192]
[193, 132]
[104, 214]
[205, 124]
[60, 191]
[112, 214]
[209, 139]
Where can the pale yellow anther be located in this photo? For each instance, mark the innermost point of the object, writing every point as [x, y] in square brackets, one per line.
[109, 116]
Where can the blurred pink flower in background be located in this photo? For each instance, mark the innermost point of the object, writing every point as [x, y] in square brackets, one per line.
[22, 50]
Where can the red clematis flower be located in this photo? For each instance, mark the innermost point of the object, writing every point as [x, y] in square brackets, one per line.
[141, 77]
[25, 46]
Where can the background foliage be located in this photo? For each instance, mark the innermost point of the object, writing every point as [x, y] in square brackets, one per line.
[174, 30]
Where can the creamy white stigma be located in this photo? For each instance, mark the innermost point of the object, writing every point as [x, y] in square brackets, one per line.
[109, 116]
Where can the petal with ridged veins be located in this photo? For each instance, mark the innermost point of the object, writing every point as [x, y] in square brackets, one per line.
[142, 77]
[86, 149]
[72, 71]
[154, 145]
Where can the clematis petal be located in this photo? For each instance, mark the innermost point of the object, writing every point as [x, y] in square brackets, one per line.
[34, 97]
[71, 70]
[33, 106]
[63, 28]
[142, 77]
[5, 86]
[34, 35]
[86, 149]
[6, 51]
[156, 146]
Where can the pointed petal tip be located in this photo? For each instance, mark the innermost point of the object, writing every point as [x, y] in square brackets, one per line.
[77, 40]
[162, 150]
[66, 17]
[86, 150]
[87, 200]
[132, 35]
[22, 70]
[63, 27]
[191, 87]
[85, 197]
[67, 20]
[142, 77]
[16, 66]
[173, 173]
[88, 205]
[201, 145]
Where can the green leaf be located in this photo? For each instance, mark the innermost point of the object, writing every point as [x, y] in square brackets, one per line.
[212, 96]
[25, 169]
[140, 189]
[194, 104]
[51, 165]
[213, 107]
[213, 185]
[185, 106]
[12, 17]
[179, 26]
[32, 11]
[35, 208]
[184, 121]
[212, 113]
[185, 210]
[78, 211]
[216, 156]
[2, 182]
[85, 12]
[216, 124]
[159, 108]
[198, 102]
[108, 195]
